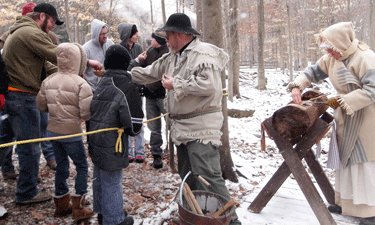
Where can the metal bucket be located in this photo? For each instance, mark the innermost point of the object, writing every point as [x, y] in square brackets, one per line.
[209, 203]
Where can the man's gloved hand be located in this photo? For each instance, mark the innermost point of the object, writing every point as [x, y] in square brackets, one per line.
[2, 101]
[333, 102]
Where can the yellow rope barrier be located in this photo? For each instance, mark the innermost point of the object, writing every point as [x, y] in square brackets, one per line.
[118, 147]
[118, 142]
[55, 138]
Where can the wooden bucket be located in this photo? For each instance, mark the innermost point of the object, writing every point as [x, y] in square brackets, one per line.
[209, 203]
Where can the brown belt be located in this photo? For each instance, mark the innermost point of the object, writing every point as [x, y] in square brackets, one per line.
[195, 113]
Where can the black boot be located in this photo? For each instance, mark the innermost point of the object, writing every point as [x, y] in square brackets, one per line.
[128, 221]
[335, 209]
[367, 221]
[158, 162]
[100, 217]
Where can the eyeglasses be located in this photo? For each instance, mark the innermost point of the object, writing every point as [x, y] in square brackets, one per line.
[325, 45]
[103, 34]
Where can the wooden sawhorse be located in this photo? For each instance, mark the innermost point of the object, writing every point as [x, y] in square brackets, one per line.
[292, 164]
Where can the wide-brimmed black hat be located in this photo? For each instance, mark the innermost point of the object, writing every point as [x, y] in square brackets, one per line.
[180, 23]
[49, 10]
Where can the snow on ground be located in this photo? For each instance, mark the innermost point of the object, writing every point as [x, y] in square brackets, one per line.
[259, 166]
[149, 194]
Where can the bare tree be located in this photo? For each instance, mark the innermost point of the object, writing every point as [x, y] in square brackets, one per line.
[233, 15]
[213, 30]
[198, 11]
[348, 12]
[152, 15]
[290, 45]
[67, 22]
[163, 11]
[261, 74]
[372, 24]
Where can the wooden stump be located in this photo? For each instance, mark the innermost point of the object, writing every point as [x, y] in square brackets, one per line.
[292, 121]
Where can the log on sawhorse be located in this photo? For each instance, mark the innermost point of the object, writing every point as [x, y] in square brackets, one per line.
[292, 164]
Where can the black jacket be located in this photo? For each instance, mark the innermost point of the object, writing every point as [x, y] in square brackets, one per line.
[4, 79]
[154, 90]
[116, 103]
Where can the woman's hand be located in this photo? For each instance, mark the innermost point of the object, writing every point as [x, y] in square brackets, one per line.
[296, 95]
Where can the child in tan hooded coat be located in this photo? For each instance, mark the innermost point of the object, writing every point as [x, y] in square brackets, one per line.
[67, 97]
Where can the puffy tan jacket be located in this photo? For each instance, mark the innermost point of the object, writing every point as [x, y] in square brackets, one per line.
[65, 94]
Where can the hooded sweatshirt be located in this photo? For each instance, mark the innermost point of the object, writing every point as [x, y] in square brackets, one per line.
[125, 29]
[65, 94]
[95, 51]
[24, 53]
[353, 77]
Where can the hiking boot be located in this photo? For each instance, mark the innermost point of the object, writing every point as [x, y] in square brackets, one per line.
[10, 176]
[42, 196]
[367, 221]
[335, 209]
[63, 206]
[3, 213]
[79, 210]
[158, 162]
[139, 159]
[100, 217]
[131, 159]
[52, 164]
[235, 222]
[127, 221]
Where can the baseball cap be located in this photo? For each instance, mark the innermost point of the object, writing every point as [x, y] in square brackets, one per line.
[49, 10]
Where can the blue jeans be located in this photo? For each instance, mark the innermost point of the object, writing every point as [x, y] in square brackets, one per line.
[25, 122]
[107, 194]
[154, 108]
[8, 166]
[139, 144]
[5, 136]
[76, 151]
[47, 149]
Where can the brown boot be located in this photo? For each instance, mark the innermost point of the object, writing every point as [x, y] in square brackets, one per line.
[63, 206]
[79, 210]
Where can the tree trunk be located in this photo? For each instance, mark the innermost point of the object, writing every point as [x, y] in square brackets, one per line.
[233, 9]
[228, 47]
[163, 11]
[111, 9]
[290, 45]
[77, 32]
[261, 74]
[372, 24]
[213, 30]
[281, 50]
[198, 11]
[152, 16]
[320, 15]
[67, 23]
[348, 13]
